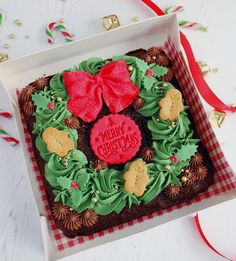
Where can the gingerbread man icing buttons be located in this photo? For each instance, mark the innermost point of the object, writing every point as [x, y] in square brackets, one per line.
[136, 178]
[57, 141]
[171, 105]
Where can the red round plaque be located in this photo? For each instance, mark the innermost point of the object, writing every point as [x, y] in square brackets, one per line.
[115, 139]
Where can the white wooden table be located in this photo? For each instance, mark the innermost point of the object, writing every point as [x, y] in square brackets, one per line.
[20, 238]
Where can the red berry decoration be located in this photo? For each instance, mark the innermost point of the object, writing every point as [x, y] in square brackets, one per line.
[149, 73]
[51, 106]
[174, 159]
[74, 185]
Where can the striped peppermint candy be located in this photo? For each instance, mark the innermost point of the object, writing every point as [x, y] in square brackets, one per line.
[61, 27]
[192, 25]
[174, 9]
[5, 136]
[5, 114]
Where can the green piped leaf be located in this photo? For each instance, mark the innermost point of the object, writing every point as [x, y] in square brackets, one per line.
[186, 152]
[76, 196]
[158, 70]
[83, 177]
[64, 182]
[141, 64]
[40, 101]
[148, 82]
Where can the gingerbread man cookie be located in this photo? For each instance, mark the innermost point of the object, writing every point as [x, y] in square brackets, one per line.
[136, 178]
[57, 141]
[171, 105]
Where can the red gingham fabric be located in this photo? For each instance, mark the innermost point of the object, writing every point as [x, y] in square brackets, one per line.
[224, 177]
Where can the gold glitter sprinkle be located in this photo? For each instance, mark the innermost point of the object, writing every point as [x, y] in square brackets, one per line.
[94, 200]
[168, 167]
[18, 22]
[6, 46]
[59, 99]
[135, 19]
[3, 57]
[184, 179]
[12, 36]
[130, 68]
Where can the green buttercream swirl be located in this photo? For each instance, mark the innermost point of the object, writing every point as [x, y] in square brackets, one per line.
[139, 68]
[58, 88]
[64, 167]
[92, 65]
[152, 97]
[112, 196]
[166, 130]
[50, 118]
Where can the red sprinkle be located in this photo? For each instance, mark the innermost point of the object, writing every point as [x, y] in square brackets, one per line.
[74, 185]
[51, 106]
[149, 72]
[174, 158]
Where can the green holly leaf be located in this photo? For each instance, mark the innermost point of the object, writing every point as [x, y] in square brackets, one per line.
[186, 152]
[141, 64]
[76, 196]
[148, 82]
[158, 70]
[64, 182]
[60, 196]
[40, 101]
[83, 177]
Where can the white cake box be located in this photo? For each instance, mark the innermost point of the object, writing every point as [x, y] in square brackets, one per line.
[158, 31]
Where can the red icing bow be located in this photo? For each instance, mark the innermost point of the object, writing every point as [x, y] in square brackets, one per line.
[112, 83]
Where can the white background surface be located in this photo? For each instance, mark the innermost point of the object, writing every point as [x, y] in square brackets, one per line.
[20, 237]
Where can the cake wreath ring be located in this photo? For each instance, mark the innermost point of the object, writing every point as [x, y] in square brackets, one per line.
[76, 96]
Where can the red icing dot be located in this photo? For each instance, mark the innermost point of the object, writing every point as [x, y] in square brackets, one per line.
[149, 72]
[115, 139]
[74, 185]
[51, 106]
[174, 158]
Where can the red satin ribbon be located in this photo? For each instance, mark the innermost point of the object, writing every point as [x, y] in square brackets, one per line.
[112, 83]
[203, 88]
[197, 222]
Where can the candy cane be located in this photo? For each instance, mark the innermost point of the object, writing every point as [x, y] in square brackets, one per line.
[5, 114]
[184, 23]
[174, 9]
[5, 136]
[2, 17]
[60, 26]
[192, 25]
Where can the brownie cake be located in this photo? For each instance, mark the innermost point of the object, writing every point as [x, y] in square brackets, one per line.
[114, 141]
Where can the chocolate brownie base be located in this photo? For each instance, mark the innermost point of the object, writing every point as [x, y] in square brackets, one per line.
[159, 203]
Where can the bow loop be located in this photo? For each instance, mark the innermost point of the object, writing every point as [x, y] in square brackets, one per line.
[112, 83]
